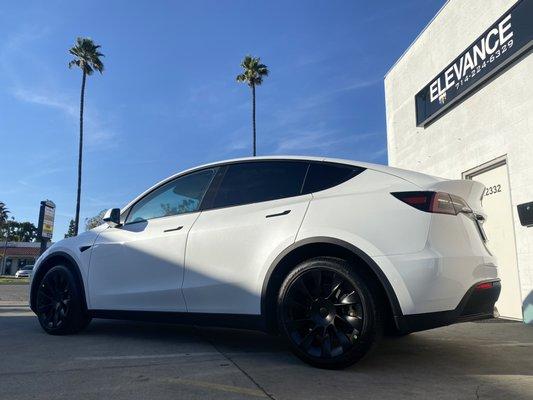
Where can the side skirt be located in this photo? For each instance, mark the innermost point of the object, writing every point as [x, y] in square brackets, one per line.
[238, 321]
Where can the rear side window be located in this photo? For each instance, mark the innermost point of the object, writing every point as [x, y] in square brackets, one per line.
[253, 182]
[323, 176]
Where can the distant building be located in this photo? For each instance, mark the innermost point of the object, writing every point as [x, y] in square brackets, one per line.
[460, 105]
[17, 254]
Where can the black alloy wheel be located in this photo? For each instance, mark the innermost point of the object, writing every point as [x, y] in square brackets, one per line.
[58, 303]
[327, 313]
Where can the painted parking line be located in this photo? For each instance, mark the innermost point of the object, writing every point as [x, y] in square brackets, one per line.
[217, 387]
[176, 355]
[148, 356]
[15, 311]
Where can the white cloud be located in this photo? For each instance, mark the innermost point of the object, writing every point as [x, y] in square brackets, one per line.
[45, 100]
[43, 90]
[378, 153]
[97, 134]
[323, 140]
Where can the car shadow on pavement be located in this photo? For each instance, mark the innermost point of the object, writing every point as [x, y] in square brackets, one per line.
[489, 360]
[471, 348]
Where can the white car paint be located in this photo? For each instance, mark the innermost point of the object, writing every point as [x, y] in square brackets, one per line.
[227, 249]
[218, 261]
[138, 266]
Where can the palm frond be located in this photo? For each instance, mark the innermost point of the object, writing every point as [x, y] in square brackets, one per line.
[253, 71]
[87, 56]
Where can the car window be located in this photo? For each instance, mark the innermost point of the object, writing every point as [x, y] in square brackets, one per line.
[323, 176]
[254, 182]
[182, 195]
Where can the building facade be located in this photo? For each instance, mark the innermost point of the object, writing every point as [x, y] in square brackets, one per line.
[15, 255]
[460, 105]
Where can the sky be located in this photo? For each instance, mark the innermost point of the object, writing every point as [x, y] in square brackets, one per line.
[168, 99]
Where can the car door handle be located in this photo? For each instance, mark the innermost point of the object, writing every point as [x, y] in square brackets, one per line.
[173, 229]
[278, 214]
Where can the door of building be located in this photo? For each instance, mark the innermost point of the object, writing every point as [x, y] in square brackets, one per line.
[500, 232]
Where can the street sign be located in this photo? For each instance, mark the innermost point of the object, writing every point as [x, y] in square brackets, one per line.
[46, 220]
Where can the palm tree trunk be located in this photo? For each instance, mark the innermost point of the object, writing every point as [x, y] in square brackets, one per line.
[253, 116]
[78, 196]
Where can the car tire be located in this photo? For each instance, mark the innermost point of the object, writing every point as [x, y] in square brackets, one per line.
[59, 303]
[328, 313]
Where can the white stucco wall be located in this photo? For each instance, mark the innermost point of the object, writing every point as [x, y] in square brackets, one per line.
[495, 121]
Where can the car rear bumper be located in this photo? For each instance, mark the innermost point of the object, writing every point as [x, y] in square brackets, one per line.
[477, 303]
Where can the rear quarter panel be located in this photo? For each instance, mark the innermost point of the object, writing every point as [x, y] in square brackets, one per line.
[363, 212]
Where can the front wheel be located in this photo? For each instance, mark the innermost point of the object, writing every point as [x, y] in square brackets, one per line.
[327, 313]
[59, 303]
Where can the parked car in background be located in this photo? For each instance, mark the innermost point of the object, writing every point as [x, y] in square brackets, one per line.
[328, 253]
[24, 272]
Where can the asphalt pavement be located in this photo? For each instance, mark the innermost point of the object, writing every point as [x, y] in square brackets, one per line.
[134, 360]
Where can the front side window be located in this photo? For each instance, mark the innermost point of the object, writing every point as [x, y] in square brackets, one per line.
[182, 195]
[257, 181]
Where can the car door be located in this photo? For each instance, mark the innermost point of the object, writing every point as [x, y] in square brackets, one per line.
[139, 265]
[254, 214]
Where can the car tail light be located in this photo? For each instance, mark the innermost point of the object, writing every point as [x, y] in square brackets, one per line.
[434, 202]
[484, 286]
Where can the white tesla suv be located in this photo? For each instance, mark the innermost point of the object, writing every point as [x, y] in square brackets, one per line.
[328, 253]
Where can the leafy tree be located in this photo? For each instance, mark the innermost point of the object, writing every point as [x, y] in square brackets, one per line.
[252, 75]
[87, 58]
[186, 205]
[71, 232]
[95, 221]
[20, 231]
[24, 231]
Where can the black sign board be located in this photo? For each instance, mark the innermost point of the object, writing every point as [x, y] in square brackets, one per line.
[46, 220]
[507, 39]
[45, 229]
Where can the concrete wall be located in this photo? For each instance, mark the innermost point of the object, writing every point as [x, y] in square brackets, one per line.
[495, 121]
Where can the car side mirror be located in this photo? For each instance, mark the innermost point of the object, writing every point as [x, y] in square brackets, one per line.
[112, 217]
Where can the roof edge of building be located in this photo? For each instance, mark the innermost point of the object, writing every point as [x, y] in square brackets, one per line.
[415, 39]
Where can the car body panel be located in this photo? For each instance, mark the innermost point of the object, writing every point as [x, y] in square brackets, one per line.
[227, 249]
[71, 248]
[139, 266]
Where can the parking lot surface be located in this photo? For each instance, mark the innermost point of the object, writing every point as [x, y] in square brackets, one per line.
[134, 360]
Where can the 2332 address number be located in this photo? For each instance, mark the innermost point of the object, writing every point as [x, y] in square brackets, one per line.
[493, 190]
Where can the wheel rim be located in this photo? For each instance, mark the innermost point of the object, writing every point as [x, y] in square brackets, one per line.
[323, 313]
[53, 300]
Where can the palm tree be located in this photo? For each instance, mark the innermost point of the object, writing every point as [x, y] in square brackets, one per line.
[252, 75]
[3, 222]
[3, 213]
[87, 58]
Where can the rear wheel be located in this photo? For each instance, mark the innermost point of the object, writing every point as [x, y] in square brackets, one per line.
[59, 304]
[327, 313]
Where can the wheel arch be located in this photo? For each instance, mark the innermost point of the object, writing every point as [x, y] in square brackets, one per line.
[315, 247]
[53, 259]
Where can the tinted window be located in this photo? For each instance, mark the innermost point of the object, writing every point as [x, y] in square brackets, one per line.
[323, 176]
[253, 182]
[179, 196]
